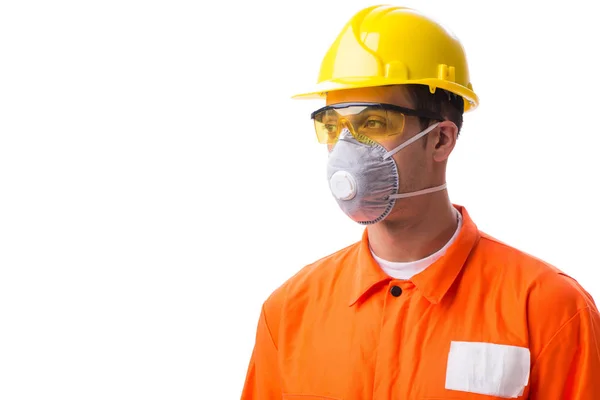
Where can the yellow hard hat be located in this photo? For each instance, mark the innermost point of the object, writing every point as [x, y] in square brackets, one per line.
[387, 45]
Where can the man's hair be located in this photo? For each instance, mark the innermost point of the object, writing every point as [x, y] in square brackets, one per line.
[444, 103]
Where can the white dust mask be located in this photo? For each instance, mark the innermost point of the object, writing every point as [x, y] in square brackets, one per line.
[364, 180]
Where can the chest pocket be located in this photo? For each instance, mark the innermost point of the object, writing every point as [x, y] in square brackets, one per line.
[488, 369]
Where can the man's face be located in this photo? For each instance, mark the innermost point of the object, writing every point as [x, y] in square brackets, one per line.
[415, 162]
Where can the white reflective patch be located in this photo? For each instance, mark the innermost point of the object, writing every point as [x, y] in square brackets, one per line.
[486, 368]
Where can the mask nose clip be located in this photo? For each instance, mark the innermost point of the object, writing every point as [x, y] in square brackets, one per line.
[345, 133]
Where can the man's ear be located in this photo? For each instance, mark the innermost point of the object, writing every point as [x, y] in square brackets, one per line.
[445, 138]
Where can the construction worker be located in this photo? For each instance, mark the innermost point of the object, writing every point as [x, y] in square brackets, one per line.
[425, 306]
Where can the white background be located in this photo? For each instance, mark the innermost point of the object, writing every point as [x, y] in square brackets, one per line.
[157, 182]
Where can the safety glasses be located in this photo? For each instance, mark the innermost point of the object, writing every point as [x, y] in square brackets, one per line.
[366, 121]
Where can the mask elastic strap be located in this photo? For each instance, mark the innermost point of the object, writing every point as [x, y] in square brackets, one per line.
[409, 141]
[419, 192]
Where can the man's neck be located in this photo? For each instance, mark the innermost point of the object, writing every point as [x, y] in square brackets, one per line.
[416, 231]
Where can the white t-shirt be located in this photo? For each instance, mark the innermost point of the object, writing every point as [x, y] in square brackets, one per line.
[406, 270]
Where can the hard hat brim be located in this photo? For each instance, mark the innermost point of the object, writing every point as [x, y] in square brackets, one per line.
[320, 91]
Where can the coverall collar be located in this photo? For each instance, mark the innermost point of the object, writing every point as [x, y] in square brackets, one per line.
[434, 282]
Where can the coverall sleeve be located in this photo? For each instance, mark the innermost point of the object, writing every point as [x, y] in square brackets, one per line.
[568, 368]
[262, 379]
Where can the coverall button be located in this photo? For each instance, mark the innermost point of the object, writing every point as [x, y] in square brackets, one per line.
[396, 291]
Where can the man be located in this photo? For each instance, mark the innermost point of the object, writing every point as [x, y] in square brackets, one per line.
[425, 306]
